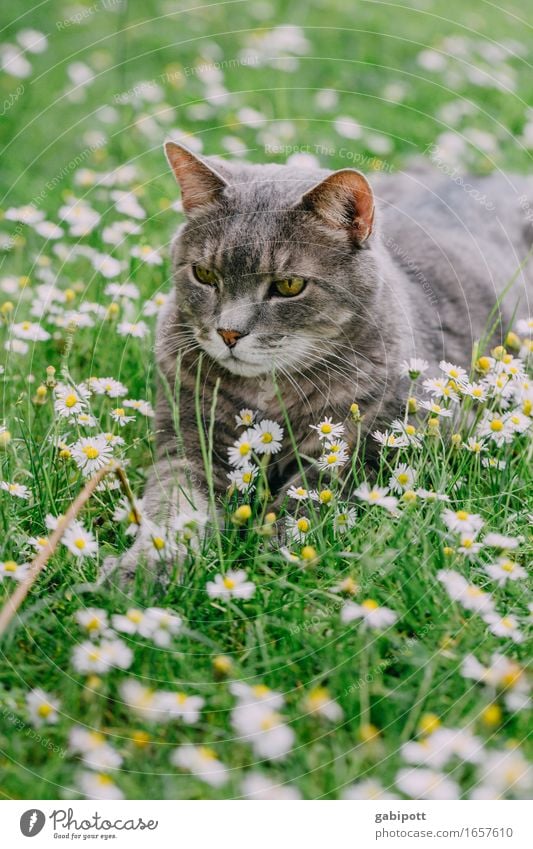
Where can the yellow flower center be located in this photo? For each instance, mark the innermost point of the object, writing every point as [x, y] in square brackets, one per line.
[71, 400]
[158, 542]
[374, 495]
[260, 690]
[370, 604]
[325, 496]
[247, 477]
[496, 425]
[103, 780]
[134, 616]
[507, 622]
[403, 478]
[119, 411]
[93, 624]
[508, 566]
[462, 515]
[244, 449]
[303, 525]
[229, 583]
[266, 437]
[91, 452]
[410, 430]
[10, 566]
[325, 428]
[206, 753]
[44, 710]
[80, 543]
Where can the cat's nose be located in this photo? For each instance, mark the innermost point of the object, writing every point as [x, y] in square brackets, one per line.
[230, 337]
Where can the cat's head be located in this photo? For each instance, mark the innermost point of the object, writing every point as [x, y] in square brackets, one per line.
[273, 267]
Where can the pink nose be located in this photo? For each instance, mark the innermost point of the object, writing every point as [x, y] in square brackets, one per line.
[230, 337]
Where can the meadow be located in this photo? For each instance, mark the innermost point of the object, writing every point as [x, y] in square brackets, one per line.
[382, 651]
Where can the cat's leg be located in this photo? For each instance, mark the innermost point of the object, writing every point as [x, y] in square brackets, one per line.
[175, 501]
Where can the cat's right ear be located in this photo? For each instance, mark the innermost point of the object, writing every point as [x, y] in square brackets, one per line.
[344, 200]
[200, 184]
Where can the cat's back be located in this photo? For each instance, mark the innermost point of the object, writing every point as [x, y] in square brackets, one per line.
[467, 236]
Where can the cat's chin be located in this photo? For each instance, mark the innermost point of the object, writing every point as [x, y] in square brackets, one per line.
[244, 369]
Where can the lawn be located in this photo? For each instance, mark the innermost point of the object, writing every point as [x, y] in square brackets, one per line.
[382, 652]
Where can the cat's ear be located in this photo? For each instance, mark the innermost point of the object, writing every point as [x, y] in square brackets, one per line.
[200, 184]
[344, 200]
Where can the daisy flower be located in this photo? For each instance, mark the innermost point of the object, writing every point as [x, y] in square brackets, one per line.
[496, 428]
[130, 622]
[119, 415]
[93, 620]
[504, 570]
[300, 493]
[436, 409]
[332, 460]
[159, 625]
[244, 478]
[257, 786]
[202, 762]
[344, 520]
[368, 789]
[319, 702]
[142, 407]
[298, 528]
[469, 545]
[419, 783]
[17, 490]
[506, 771]
[474, 445]
[181, 706]
[42, 707]
[264, 728]
[517, 422]
[469, 595]
[327, 430]
[153, 306]
[377, 495]
[413, 368]
[79, 541]
[461, 520]
[136, 329]
[147, 254]
[402, 478]
[370, 612]
[70, 400]
[388, 439]
[123, 512]
[89, 657]
[476, 391]
[268, 436]
[245, 418]
[98, 785]
[30, 332]
[91, 453]
[242, 449]
[439, 388]
[494, 540]
[122, 290]
[452, 371]
[107, 386]
[256, 694]
[10, 569]
[233, 584]
[143, 701]
[504, 626]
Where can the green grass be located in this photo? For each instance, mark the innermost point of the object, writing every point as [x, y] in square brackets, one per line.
[289, 636]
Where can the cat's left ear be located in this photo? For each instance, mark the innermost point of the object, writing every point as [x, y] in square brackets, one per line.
[200, 184]
[343, 200]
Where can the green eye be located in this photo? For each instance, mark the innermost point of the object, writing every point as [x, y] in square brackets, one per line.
[204, 275]
[288, 287]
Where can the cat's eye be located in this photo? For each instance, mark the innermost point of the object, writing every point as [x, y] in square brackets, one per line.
[204, 275]
[288, 287]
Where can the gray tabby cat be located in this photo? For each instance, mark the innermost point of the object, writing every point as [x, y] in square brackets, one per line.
[330, 284]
